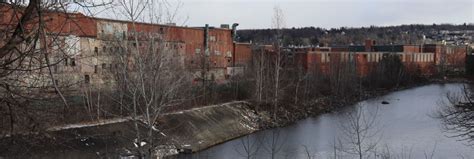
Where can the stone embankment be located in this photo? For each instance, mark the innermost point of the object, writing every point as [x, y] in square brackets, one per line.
[200, 128]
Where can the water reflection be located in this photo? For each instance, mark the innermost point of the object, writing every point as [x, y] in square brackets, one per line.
[408, 131]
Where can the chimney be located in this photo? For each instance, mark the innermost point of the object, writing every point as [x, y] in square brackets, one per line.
[234, 31]
[369, 45]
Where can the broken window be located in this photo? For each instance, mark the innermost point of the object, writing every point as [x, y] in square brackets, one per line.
[73, 62]
[95, 68]
[96, 51]
[87, 79]
[104, 66]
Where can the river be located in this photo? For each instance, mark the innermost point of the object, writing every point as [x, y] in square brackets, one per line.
[404, 127]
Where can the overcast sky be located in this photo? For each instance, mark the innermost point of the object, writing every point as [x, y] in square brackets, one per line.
[320, 13]
[327, 13]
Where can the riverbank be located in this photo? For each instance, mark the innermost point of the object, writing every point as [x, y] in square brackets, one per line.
[291, 114]
[190, 130]
[405, 122]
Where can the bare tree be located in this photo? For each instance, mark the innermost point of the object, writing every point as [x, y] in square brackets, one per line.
[278, 23]
[31, 51]
[359, 132]
[457, 114]
[250, 146]
[146, 75]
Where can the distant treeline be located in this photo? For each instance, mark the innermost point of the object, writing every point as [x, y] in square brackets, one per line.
[306, 36]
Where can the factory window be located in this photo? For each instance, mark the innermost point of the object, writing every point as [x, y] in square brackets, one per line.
[212, 38]
[95, 69]
[104, 66]
[65, 62]
[217, 52]
[192, 61]
[104, 49]
[73, 62]
[96, 51]
[87, 79]
[198, 51]
[55, 68]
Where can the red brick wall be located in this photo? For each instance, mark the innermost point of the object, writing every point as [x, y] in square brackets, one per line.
[243, 54]
[411, 48]
[55, 22]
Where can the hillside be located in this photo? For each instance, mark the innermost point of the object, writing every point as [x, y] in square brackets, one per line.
[403, 34]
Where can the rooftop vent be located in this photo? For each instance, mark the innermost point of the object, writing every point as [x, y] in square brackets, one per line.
[225, 26]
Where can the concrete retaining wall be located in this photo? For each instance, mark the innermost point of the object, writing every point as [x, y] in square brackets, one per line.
[201, 128]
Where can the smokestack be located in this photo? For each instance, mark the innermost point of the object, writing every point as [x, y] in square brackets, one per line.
[234, 31]
[206, 40]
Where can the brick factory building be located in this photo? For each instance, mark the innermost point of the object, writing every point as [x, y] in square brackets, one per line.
[429, 59]
[84, 44]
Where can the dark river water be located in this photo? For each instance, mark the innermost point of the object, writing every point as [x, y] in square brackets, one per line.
[405, 128]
